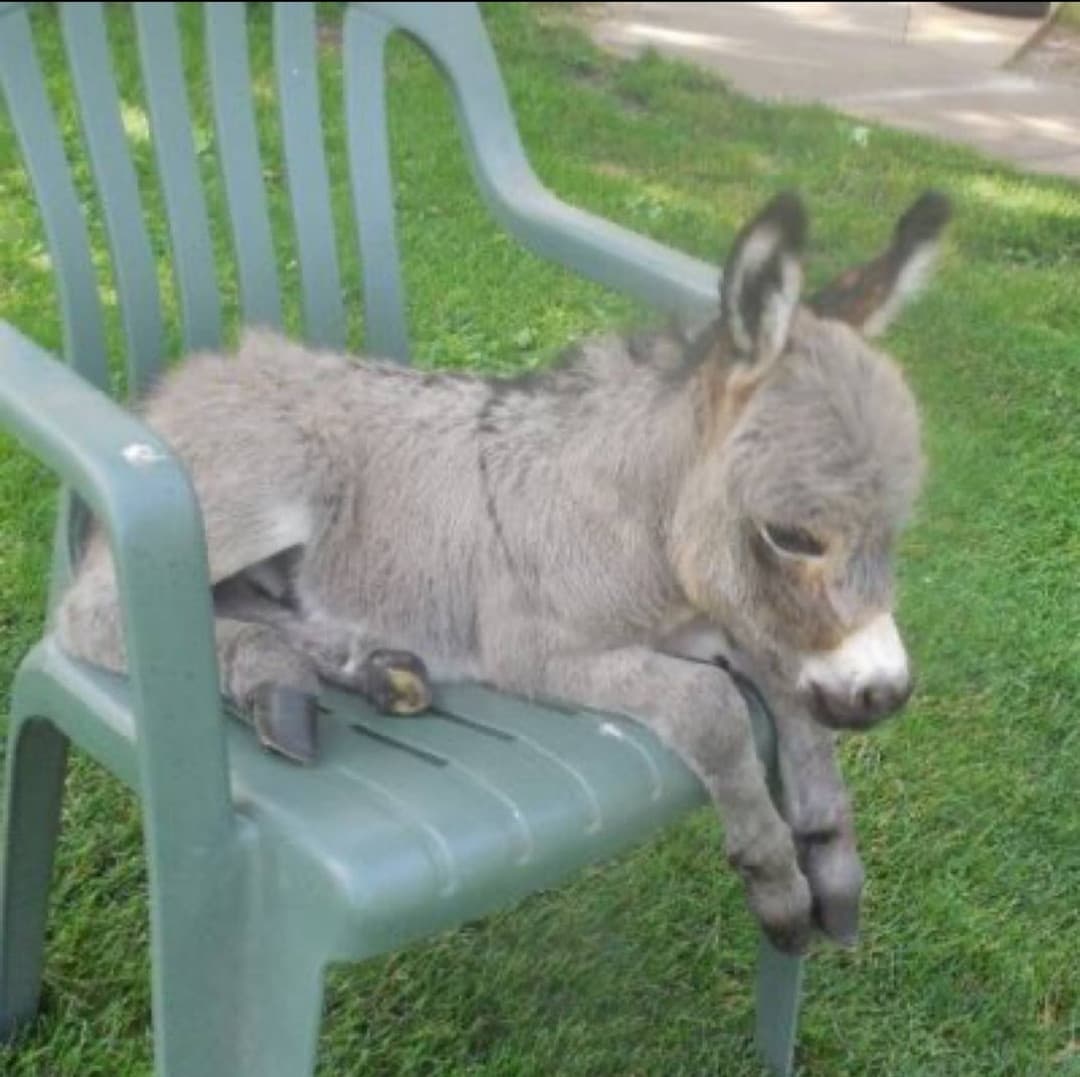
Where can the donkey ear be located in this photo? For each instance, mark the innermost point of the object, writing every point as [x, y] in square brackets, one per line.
[762, 281]
[870, 296]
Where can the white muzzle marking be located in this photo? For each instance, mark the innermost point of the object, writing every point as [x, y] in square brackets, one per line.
[872, 657]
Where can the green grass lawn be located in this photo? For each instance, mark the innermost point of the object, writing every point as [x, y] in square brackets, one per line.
[967, 807]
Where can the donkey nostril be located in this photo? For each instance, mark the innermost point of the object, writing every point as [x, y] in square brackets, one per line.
[868, 702]
[876, 701]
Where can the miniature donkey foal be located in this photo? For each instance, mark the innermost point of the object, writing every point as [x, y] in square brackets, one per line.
[630, 530]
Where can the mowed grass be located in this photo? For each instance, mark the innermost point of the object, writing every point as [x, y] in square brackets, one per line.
[967, 807]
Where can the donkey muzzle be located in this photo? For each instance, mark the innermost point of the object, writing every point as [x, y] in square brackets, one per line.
[864, 709]
[861, 682]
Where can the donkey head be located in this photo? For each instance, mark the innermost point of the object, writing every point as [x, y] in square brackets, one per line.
[810, 465]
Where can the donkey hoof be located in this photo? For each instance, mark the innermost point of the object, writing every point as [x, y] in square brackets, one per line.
[838, 919]
[785, 913]
[397, 682]
[285, 720]
[836, 879]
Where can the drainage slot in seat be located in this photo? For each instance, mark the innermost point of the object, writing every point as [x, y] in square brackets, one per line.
[382, 738]
[471, 723]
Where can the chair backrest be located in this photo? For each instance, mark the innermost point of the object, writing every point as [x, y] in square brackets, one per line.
[118, 116]
[111, 123]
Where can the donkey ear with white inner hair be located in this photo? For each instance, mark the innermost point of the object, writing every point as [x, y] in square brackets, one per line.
[762, 282]
[869, 297]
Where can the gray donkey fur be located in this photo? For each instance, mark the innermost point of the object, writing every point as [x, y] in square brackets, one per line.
[630, 530]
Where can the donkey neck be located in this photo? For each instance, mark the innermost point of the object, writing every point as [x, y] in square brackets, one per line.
[632, 427]
[602, 445]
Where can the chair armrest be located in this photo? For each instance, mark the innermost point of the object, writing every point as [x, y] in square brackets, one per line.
[597, 248]
[143, 498]
[454, 36]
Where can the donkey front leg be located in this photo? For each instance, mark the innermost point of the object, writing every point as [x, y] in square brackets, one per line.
[818, 808]
[699, 712]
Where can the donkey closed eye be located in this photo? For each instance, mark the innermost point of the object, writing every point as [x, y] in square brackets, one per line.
[792, 541]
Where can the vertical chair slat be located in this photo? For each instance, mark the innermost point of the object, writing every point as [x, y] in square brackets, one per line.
[99, 109]
[238, 149]
[305, 160]
[385, 331]
[185, 200]
[65, 228]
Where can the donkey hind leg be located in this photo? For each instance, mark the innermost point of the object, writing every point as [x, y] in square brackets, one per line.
[394, 681]
[271, 685]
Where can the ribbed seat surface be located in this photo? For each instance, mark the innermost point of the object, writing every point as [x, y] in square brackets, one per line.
[432, 819]
[418, 823]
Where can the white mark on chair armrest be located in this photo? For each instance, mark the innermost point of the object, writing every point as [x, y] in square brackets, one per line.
[139, 454]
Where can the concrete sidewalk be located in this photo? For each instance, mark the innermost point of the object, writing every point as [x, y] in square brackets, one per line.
[923, 67]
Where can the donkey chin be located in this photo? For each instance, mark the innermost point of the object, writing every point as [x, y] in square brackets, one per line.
[861, 682]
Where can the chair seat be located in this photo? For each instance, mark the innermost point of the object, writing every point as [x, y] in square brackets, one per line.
[407, 826]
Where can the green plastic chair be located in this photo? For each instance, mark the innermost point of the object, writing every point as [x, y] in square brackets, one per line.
[262, 873]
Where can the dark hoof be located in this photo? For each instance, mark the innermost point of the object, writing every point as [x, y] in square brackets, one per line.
[836, 876]
[285, 720]
[396, 682]
[838, 919]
